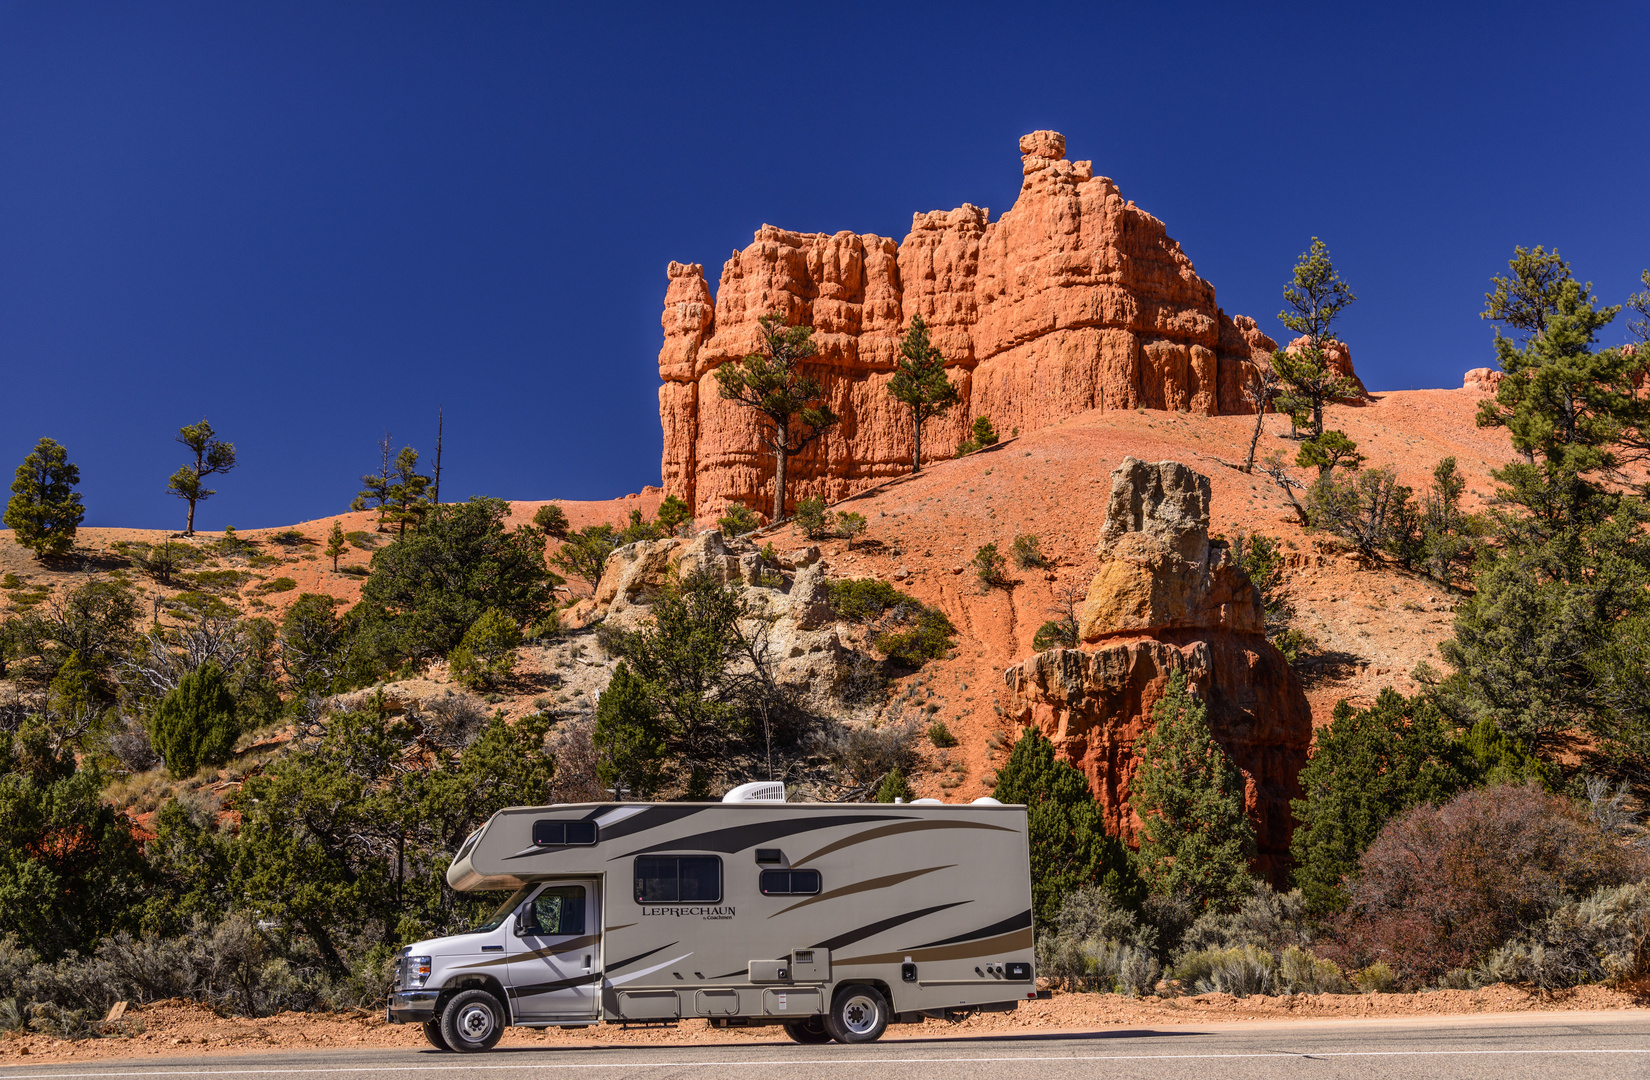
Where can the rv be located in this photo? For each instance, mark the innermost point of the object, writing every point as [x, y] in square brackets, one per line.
[831, 919]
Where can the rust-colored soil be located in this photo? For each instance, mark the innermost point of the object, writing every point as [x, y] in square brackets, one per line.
[175, 1028]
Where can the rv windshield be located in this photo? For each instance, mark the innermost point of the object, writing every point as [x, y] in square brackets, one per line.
[496, 919]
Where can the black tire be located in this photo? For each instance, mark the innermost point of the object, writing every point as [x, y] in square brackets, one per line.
[432, 1032]
[472, 1021]
[859, 1014]
[809, 1032]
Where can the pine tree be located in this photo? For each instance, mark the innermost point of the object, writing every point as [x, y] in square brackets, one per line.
[1196, 841]
[774, 386]
[628, 737]
[335, 544]
[196, 723]
[407, 500]
[553, 520]
[920, 384]
[1315, 296]
[1538, 647]
[375, 487]
[212, 456]
[44, 510]
[1069, 844]
[1367, 766]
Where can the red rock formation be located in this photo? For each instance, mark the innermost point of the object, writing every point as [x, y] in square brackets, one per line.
[1075, 299]
[1483, 380]
[1165, 598]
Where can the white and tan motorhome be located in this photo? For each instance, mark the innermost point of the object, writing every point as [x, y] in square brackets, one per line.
[833, 919]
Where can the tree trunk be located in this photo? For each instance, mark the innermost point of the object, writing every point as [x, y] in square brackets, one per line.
[1254, 440]
[916, 426]
[189, 530]
[781, 454]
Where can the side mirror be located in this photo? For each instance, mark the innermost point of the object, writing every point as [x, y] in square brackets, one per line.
[525, 925]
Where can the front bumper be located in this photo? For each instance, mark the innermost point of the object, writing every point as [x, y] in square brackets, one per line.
[411, 1006]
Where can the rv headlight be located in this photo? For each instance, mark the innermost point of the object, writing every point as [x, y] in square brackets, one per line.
[418, 971]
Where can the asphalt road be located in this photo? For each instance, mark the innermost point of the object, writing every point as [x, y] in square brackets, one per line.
[1544, 1046]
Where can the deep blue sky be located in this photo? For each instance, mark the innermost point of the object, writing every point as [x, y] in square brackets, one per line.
[314, 222]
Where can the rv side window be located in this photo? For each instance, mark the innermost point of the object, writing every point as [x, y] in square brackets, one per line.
[563, 833]
[790, 882]
[678, 879]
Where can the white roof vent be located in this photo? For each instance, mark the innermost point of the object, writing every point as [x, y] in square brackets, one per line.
[926, 802]
[986, 800]
[757, 791]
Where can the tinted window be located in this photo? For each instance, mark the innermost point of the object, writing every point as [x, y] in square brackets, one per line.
[557, 910]
[563, 833]
[678, 879]
[790, 882]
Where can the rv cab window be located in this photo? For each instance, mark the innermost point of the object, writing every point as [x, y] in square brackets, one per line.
[678, 879]
[563, 833]
[790, 882]
[555, 911]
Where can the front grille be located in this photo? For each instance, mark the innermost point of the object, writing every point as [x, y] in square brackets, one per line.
[400, 973]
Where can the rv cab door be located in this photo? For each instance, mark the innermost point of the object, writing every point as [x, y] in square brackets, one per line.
[555, 955]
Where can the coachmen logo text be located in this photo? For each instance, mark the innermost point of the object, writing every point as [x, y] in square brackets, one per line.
[702, 912]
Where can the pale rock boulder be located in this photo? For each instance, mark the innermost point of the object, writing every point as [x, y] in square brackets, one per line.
[790, 615]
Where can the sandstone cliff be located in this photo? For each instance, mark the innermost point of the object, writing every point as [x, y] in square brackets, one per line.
[1075, 299]
[1168, 598]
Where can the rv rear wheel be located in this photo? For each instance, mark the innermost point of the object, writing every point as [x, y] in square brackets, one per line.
[432, 1032]
[810, 1031]
[472, 1021]
[858, 1015]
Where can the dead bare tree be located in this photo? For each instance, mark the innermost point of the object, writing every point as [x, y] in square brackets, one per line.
[1260, 390]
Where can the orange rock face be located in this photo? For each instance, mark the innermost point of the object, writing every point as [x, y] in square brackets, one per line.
[1075, 299]
[1165, 599]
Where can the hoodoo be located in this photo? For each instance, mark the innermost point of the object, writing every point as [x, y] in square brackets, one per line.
[1075, 299]
[1168, 597]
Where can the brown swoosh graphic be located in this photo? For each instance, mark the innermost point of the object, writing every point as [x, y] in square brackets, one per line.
[967, 950]
[862, 886]
[570, 945]
[893, 830]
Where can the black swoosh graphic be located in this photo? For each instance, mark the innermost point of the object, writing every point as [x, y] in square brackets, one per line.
[868, 885]
[740, 837]
[886, 924]
[1022, 921]
[550, 987]
[892, 830]
[651, 818]
[626, 963]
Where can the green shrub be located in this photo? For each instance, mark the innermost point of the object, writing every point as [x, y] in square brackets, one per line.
[1377, 978]
[363, 540]
[289, 538]
[486, 656]
[940, 735]
[1299, 972]
[1028, 551]
[929, 639]
[196, 723]
[673, 514]
[275, 585]
[553, 520]
[201, 605]
[980, 436]
[811, 518]
[894, 786]
[990, 567]
[219, 581]
[1055, 634]
[864, 600]
[739, 520]
[849, 526]
[1240, 971]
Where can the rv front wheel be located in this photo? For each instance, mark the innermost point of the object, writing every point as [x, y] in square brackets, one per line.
[858, 1015]
[810, 1031]
[472, 1021]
